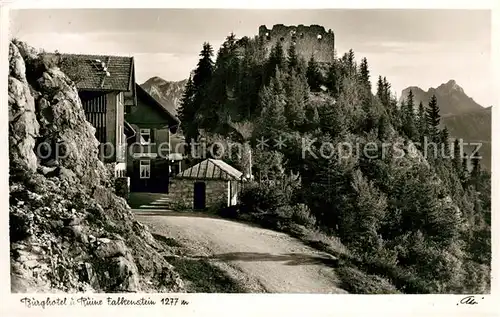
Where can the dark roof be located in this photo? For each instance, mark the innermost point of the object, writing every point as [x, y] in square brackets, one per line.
[92, 76]
[173, 121]
[211, 169]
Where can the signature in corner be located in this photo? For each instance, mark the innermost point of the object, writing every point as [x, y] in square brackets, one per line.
[469, 300]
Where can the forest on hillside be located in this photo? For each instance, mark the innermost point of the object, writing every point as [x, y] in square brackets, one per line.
[421, 216]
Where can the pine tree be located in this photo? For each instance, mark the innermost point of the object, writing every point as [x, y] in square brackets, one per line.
[457, 156]
[421, 122]
[408, 118]
[360, 225]
[333, 79]
[410, 102]
[297, 95]
[464, 176]
[222, 102]
[476, 168]
[364, 74]
[350, 62]
[277, 60]
[313, 74]
[247, 89]
[380, 91]
[292, 59]
[433, 119]
[204, 70]
[196, 94]
[187, 112]
[386, 92]
[445, 139]
[383, 127]
[273, 101]
[366, 95]
[202, 81]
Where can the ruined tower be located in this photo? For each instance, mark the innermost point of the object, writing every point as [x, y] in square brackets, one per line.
[308, 40]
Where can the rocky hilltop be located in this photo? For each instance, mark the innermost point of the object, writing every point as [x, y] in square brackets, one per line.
[69, 232]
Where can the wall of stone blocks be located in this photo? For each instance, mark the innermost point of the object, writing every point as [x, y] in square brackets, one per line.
[308, 40]
[181, 193]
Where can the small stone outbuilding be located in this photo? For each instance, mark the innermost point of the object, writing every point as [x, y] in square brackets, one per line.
[206, 184]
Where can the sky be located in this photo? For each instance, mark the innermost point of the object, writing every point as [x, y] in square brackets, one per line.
[423, 48]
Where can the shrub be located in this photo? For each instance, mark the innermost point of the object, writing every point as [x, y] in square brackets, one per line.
[302, 215]
[121, 187]
[218, 205]
[285, 212]
[358, 282]
[261, 197]
[231, 212]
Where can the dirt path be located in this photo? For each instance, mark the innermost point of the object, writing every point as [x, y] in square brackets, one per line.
[263, 260]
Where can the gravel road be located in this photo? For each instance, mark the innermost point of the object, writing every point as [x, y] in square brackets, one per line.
[260, 259]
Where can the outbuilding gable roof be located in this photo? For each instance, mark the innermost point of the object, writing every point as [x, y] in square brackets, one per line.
[211, 169]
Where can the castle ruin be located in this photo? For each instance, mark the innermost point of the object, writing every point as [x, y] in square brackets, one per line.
[308, 40]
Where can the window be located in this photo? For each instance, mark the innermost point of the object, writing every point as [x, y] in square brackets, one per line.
[145, 135]
[145, 168]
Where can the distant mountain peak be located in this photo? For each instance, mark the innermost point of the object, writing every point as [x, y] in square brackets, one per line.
[451, 98]
[168, 93]
[450, 86]
[464, 118]
[412, 88]
[156, 78]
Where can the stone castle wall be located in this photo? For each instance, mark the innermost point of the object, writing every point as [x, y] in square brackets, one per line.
[309, 40]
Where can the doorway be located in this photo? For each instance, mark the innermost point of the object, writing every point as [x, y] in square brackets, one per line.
[199, 195]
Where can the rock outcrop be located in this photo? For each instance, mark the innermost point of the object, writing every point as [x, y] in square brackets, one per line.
[69, 232]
